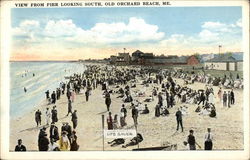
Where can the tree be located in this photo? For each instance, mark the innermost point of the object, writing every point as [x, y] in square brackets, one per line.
[198, 56]
[229, 54]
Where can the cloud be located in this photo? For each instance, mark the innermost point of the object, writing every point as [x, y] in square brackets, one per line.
[216, 26]
[207, 39]
[135, 31]
[208, 36]
[66, 38]
[26, 27]
[61, 28]
[239, 23]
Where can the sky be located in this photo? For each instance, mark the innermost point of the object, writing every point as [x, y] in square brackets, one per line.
[83, 33]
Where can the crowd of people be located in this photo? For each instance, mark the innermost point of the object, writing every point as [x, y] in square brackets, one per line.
[122, 82]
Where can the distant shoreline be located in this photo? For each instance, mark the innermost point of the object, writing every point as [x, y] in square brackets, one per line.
[46, 61]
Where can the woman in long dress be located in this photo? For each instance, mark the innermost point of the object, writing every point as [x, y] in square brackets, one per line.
[64, 143]
[211, 98]
[220, 94]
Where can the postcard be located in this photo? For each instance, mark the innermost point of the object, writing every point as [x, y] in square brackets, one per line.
[125, 79]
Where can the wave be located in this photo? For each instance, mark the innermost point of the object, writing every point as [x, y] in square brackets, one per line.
[47, 77]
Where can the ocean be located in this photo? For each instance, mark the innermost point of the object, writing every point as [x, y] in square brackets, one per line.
[37, 78]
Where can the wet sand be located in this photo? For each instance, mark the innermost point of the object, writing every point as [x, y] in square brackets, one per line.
[227, 127]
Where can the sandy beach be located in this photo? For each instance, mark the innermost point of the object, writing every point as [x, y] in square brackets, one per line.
[227, 127]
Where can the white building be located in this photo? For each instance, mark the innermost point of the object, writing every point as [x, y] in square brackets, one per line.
[224, 62]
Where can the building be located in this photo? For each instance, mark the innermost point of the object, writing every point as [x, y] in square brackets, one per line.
[174, 60]
[112, 59]
[121, 59]
[224, 62]
[141, 58]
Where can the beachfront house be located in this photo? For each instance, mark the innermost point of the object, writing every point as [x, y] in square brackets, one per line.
[224, 62]
[121, 59]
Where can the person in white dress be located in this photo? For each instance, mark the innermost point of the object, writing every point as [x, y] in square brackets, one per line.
[211, 98]
[47, 116]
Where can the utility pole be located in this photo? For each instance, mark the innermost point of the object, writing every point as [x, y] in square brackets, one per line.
[219, 48]
[103, 132]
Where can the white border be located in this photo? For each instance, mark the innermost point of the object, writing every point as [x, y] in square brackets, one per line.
[5, 49]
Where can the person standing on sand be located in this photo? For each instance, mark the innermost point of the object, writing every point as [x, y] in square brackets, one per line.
[110, 121]
[202, 98]
[220, 94]
[228, 99]
[19, 147]
[64, 142]
[47, 116]
[124, 110]
[232, 101]
[179, 119]
[69, 107]
[68, 129]
[43, 141]
[208, 140]
[87, 95]
[191, 140]
[53, 97]
[107, 100]
[53, 132]
[54, 114]
[135, 115]
[74, 119]
[122, 120]
[74, 146]
[38, 117]
[225, 99]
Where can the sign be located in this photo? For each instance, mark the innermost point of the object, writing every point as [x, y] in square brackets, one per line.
[119, 133]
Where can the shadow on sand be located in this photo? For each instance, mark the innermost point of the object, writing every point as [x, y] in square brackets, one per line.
[102, 112]
[35, 128]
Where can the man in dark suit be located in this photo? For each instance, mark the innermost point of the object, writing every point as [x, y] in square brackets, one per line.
[53, 97]
[68, 129]
[135, 115]
[74, 119]
[38, 117]
[179, 119]
[54, 114]
[43, 141]
[19, 147]
[53, 132]
[232, 96]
